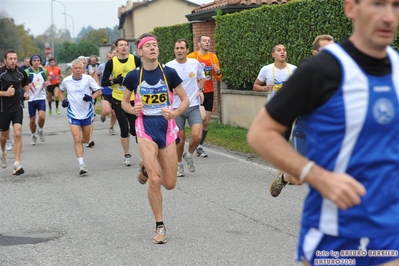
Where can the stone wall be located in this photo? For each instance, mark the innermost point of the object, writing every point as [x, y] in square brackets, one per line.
[239, 108]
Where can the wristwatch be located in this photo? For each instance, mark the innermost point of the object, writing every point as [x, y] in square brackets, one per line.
[201, 89]
[112, 82]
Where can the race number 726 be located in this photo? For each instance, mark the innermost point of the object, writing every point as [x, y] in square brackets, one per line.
[154, 98]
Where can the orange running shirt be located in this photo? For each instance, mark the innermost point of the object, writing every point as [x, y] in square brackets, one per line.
[54, 74]
[207, 60]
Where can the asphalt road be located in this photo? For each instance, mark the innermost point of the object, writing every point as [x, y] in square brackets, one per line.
[222, 214]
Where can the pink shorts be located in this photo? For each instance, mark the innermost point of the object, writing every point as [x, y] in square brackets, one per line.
[158, 129]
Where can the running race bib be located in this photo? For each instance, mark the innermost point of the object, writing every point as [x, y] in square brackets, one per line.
[277, 87]
[155, 98]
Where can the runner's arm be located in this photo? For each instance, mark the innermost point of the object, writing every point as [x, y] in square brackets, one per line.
[185, 102]
[259, 87]
[105, 81]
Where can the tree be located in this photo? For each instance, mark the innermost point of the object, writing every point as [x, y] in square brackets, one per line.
[10, 38]
[16, 37]
[65, 35]
[96, 36]
[83, 32]
[65, 49]
[28, 47]
[50, 32]
[87, 48]
[70, 51]
[113, 34]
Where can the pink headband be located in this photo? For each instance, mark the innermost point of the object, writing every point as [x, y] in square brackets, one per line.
[144, 40]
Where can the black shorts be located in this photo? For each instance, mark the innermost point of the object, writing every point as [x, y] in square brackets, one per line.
[107, 98]
[5, 119]
[208, 101]
[50, 88]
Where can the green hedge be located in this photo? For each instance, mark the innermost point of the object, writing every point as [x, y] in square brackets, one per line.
[245, 39]
[167, 37]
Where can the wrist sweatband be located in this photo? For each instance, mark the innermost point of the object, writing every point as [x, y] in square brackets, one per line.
[305, 171]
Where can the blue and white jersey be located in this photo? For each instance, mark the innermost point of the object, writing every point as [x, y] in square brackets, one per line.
[357, 132]
[37, 86]
[76, 89]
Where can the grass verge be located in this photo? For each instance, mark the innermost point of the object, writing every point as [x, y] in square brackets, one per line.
[232, 138]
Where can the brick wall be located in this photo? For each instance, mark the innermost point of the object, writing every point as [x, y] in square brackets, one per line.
[206, 28]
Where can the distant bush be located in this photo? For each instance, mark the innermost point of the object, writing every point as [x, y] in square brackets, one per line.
[167, 37]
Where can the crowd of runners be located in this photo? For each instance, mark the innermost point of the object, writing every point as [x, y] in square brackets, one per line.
[339, 108]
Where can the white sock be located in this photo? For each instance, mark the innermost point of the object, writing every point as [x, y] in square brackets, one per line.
[199, 146]
[189, 155]
[33, 134]
[40, 129]
[80, 161]
[179, 163]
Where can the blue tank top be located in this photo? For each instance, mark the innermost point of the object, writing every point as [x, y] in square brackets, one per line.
[357, 132]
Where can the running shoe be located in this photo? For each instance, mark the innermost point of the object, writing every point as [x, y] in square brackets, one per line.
[190, 162]
[3, 160]
[9, 145]
[83, 169]
[103, 118]
[180, 170]
[111, 131]
[127, 161]
[142, 175]
[57, 111]
[90, 144]
[277, 184]
[50, 112]
[18, 170]
[160, 235]
[41, 136]
[201, 153]
[34, 140]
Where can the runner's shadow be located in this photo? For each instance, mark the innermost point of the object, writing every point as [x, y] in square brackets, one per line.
[21, 240]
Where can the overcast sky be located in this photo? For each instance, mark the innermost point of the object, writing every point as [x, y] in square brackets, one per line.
[36, 14]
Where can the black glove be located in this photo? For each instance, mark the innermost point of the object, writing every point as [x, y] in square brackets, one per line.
[118, 79]
[65, 103]
[87, 98]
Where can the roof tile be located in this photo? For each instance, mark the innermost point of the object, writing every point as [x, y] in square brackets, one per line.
[222, 3]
